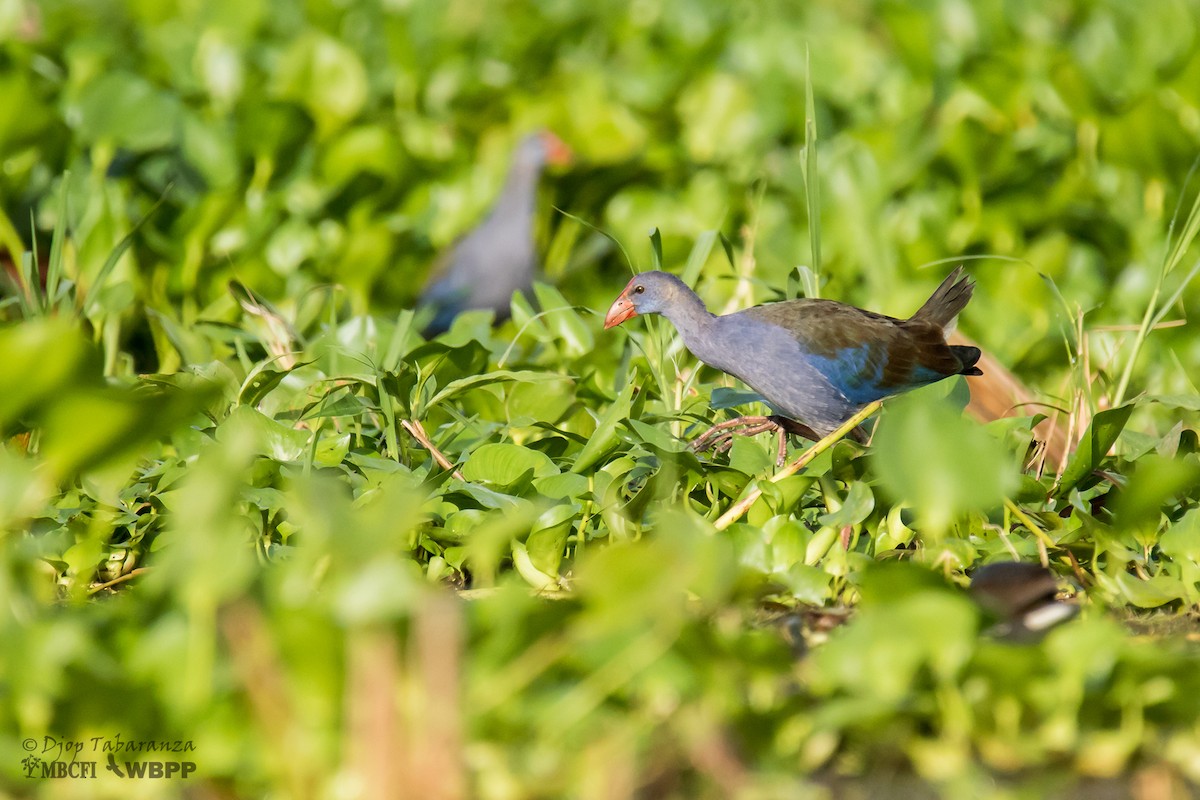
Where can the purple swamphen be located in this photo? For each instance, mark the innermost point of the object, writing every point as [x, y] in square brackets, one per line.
[497, 258]
[816, 362]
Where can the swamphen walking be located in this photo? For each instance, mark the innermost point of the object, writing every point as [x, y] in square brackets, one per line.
[816, 362]
[497, 258]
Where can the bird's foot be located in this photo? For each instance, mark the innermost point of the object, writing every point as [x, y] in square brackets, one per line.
[719, 437]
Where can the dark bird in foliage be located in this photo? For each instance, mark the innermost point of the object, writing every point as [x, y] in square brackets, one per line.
[497, 258]
[816, 362]
[1022, 598]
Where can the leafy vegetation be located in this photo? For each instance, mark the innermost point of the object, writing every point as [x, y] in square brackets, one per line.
[236, 486]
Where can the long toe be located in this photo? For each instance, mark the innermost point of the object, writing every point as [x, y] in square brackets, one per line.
[720, 436]
[719, 431]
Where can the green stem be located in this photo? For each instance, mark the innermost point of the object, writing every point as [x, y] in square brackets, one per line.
[1142, 333]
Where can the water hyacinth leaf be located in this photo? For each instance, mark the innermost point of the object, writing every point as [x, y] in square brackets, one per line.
[724, 397]
[604, 438]
[657, 437]
[751, 548]
[1181, 544]
[324, 75]
[544, 402]
[567, 486]
[461, 385]
[942, 465]
[1097, 440]
[460, 524]
[506, 465]
[42, 358]
[1152, 592]
[383, 590]
[1154, 482]
[1184, 402]
[369, 149]
[337, 403]
[788, 541]
[807, 584]
[261, 383]
[265, 435]
[86, 428]
[750, 457]
[125, 110]
[856, 507]
[563, 322]
[869, 660]
[489, 498]
[331, 450]
[548, 537]
[527, 569]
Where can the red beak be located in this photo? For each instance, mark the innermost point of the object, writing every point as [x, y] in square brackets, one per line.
[621, 310]
[557, 152]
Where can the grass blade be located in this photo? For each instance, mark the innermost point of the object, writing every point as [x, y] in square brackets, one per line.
[54, 270]
[1175, 254]
[119, 250]
[812, 188]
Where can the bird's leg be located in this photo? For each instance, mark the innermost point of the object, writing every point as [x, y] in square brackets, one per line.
[720, 436]
[786, 426]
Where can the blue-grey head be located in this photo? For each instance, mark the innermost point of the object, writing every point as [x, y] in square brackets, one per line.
[541, 147]
[648, 293]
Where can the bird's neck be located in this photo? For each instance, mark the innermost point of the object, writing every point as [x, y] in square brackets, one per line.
[693, 321]
[519, 194]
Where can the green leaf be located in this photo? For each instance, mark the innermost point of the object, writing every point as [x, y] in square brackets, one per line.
[807, 584]
[658, 437]
[656, 248]
[1155, 480]
[43, 358]
[263, 435]
[1099, 437]
[475, 381]
[567, 486]
[856, 507]
[535, 577]
[563, 322]
[604, 438]
[548, 538]
[260, 384]
[1184, 402]
[724, 397]
[698, 257]
[941, 464]
[123, 109]
[326, 76]
[506, 465]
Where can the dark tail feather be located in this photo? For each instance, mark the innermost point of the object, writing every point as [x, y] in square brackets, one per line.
[947, 300]
[968, 356]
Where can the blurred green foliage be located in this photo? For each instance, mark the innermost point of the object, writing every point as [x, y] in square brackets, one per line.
[220, 515]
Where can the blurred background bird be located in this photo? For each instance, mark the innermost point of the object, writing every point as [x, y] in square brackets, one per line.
[1022, 599]
[498, 257]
